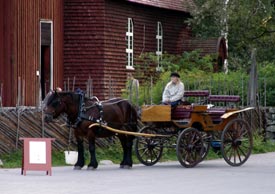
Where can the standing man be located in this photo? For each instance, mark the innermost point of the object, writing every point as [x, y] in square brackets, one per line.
[174, 90]
[133, 88]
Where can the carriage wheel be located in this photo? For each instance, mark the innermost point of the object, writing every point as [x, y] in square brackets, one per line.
[236, 142]
[190, 147]
[206, 144]
[148, 149]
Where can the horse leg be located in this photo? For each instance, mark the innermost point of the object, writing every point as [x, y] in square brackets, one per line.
[93, 162]
[127, 144]
[80, 159]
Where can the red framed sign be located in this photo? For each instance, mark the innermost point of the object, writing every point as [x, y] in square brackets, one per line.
[37, 155]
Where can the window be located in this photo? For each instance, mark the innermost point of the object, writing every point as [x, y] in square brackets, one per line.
[130, 44]
[159, 51]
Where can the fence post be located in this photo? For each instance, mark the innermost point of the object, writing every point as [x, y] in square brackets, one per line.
[43, 124]
[265, 92]
[151, 90]
[18, 111]
[73, 84]
[1, 95]
[242, 80]
[68, 84]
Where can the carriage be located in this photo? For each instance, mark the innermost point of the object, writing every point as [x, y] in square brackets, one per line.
[192, 129]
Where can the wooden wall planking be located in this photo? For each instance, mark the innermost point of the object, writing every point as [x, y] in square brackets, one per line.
[95, 43]
[145, 20]
[84, 42]
[6, 51]
[23, 46]
[2, 41]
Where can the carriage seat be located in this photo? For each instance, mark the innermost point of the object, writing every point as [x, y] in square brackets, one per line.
[181, 112]
[196, 93]
[215, 114]
[224, 98]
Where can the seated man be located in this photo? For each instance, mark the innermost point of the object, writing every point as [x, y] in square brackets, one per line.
[174, 90]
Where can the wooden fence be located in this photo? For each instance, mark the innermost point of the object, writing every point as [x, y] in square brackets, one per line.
[27, 122]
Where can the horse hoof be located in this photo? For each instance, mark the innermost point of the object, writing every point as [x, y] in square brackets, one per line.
[77, 168]
[125, 166]
[91, 168]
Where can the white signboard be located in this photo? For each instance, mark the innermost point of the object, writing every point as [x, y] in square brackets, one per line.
[37, 152]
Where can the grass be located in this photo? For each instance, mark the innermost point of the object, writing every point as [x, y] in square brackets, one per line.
[114, 153]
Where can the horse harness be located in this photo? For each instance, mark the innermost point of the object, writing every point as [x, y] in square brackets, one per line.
[82, 110]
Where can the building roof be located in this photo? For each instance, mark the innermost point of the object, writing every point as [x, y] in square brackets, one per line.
[209, 46]
[178, 5]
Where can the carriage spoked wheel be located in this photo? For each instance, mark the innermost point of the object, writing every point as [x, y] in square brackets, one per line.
[236, 142]
[206, 144]
[148, 149]
[190, 147]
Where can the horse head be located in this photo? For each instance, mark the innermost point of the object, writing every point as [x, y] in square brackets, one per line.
[53, 105]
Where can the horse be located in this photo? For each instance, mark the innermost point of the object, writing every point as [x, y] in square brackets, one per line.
[82, 112]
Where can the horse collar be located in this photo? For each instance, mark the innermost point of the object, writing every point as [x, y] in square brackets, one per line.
[81, 116]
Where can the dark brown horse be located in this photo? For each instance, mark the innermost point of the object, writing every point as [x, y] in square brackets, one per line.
[117, 113]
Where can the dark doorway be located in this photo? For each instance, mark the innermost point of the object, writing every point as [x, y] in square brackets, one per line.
[45, 70]
[45, 63]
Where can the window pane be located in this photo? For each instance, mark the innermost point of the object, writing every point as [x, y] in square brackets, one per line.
[130, 42]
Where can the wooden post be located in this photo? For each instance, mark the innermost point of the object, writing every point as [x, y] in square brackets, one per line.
[73, 84]
[18, 111]
[151, 90]
[68, 85]
[91, 88]
[1, 95]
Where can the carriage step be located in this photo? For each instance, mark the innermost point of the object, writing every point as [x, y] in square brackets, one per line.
[216, 144]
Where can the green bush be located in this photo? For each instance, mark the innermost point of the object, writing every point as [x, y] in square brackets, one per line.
[197, 74]
[267, 82]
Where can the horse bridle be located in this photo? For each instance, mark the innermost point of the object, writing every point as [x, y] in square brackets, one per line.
[60, 102]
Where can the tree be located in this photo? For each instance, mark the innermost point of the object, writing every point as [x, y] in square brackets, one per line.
[250, 24]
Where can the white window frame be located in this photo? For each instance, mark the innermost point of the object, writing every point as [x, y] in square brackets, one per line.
[38, 72]
[159, 52]
[51, 50]
[130, 45]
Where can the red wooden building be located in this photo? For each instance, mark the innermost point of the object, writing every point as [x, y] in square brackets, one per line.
[31, 50]
[102, 38]
[210, 46]
[45, 42]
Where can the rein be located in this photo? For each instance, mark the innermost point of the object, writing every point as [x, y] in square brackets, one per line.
[127, 132]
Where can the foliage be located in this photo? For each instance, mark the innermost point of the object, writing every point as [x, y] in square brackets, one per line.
[114, 153]
[267, 82]
[262, 146]
[248, 24]
[14, 159]
[193, 61]
[197, 74]
[153, 82]
[233, 83]
[186, 61]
